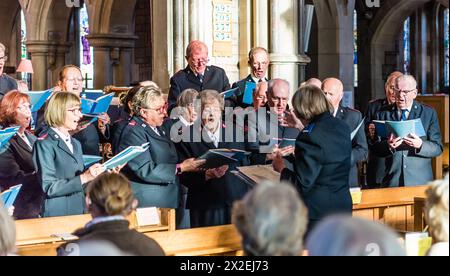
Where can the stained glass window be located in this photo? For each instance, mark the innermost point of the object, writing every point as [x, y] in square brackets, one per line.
[407, 45]
[86, 51]
[355, 46]
[446, 47]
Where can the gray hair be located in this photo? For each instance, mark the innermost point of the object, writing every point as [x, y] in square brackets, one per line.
[347, 236]
[193, 45]
[436, 210]
[144, 97]
[275, 82]
[7, 232]
[208, 96]
[408, 78]
[272, 220]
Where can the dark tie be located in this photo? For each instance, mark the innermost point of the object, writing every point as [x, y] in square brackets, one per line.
[261, 80]
[405, 114]
[201, 78]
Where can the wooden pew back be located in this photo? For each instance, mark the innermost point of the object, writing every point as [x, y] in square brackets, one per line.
[210, 241]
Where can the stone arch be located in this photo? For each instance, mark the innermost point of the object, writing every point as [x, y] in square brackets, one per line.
[385, 28]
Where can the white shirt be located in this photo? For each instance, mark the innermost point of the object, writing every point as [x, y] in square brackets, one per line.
[215, 137]
[256, 80]
[67, 139]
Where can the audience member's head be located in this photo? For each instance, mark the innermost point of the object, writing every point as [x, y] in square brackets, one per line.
[185, 105]
[3, 58]
[197, 56]
[212, 106]
[110, 195]
[278, 94]
[258, 59]
[63, 111]
[71, 80]
[22, 86]
[310, 102]
[436, 210]
[7, 232]
[347, 236]
[390, 86]
[405, 91]
[313, 81]
[260, 95]
[272, 220]
[15, 110]
[150, 105]
[334, 90]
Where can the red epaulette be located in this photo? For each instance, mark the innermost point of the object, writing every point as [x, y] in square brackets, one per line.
[43, 137]
[132, 123]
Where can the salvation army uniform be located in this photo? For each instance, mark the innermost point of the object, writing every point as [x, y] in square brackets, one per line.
[59, 163]
[406, 166]
[360, 149]
[153, 174]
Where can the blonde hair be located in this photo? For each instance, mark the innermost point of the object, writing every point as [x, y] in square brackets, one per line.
[310, 101]
[272, 220]
[55, 114]
[2, 47]
[144, 97]
[436, 210]
[112, 194]
[7, 232]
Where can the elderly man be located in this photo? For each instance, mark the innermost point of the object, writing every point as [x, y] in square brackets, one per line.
[376, 165]
[197, 75]
[313, 81]
[6, 82]
[260, 95]
[408, 160]
[258, 60]
[334, 90]
[269, 119]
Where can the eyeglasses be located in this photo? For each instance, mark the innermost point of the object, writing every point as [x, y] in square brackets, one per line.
[406, 92]
[75, 110]
[160, 110]
[24, 107]
[200, 61]
[276, 100]
[74, 79]
[261, 98]
[4, 58]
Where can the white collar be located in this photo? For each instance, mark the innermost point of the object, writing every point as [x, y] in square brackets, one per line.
[64, 137]
[184, 121]
[256, 80]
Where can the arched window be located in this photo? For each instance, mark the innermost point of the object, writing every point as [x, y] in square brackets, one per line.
[407, 45]
[86, 52]
[355, 46]
[446, 48]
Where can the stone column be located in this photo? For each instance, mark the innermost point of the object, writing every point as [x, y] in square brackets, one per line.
[284, 51]
[160, 51]
[39, 57]
[178, 39]
[193, 20]
[261, 23]
[336, 53]
[60, 52]
[112, 59]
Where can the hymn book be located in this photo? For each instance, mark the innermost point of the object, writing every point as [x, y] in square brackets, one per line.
[125, 156]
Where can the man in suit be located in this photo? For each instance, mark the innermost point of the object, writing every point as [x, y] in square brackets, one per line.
[375, 164]
[268, 123]
[408, 160]
[259, 61]
[334, 90]
[197, 75]
[6, 82]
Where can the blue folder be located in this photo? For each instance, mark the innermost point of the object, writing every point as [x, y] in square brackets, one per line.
[6, 134]
[97, 107]
[10, 196]
[38, 99]
[400, 129]
[230, 93]
[248, 93]
[92, 94]
[90, 160]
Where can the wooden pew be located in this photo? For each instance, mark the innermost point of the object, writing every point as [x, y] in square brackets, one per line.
[419, 218]
[393, 206]
[36, 237]
[210, 241]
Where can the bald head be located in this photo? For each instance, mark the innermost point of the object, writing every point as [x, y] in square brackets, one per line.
[278, 95]
[334, 90]
[197, 56]
[315, 82]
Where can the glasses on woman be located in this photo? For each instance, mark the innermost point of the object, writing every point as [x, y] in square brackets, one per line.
[75, 110]
[160, 110]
